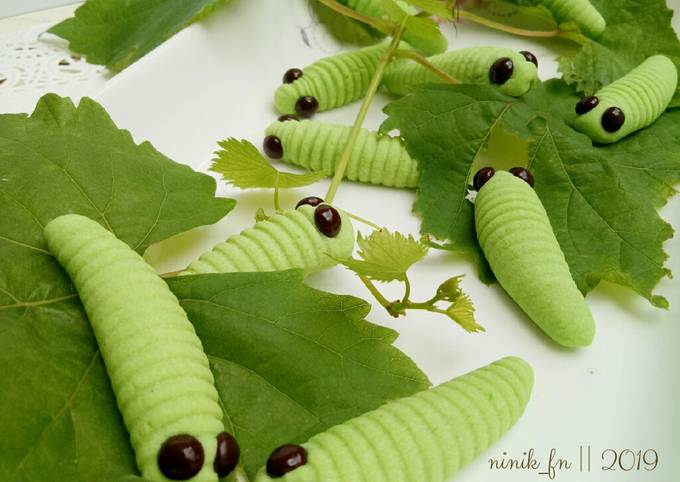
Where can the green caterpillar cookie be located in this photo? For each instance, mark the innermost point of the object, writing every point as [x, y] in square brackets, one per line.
[629, 104]
[328, 83]
[375, 159]
[517, 239]
[158, 370]
[308, 238]
[581, 12]
[374, 8]
[427, 437]
[514, 72]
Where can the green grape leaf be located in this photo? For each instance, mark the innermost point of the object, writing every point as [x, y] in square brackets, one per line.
[345, 29]
[56, 402]
[241, 164]
[335, 366]
[386, 256]
[54, 395]
[634, 32]
[602, 200]
[116, 33]
[273, 396]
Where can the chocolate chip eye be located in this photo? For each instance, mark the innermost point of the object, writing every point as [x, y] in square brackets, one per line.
[327, 220]
[501, 71]
[306, 106]
[587, 104]
[291, 75]
[524, 174]
[311, 200]
[288, 117]
[530, 57]
[227, 454]
[180, 457]
[482, 177]
[272, 147]
[286, 459]
[613, 119]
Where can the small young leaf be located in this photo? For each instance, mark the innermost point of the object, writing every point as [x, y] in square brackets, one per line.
[386, 256]
[242, 165]
[450, 289]
[462, 311]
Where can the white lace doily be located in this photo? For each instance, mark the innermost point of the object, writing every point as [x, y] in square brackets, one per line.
[33, 63]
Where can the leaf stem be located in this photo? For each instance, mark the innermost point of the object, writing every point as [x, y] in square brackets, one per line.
[277, 205]
[407, 289]
[410, 54]
[556, 33]
[351, 13]
[376, 293]
[354, 133]
[507, 28]
[363, 220]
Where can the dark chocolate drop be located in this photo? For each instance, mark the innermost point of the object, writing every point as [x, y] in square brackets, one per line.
[587, 104]
[272, 147]
[482, 177]
[180, 457]
[286, 459]
[291, 75]
[306, 106]
[228, 453]
[613, 119]
[327, 220]
[524, 174]
[311, 200]
[501, 71]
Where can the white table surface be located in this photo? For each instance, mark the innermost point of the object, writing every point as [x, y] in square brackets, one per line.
[216, 79]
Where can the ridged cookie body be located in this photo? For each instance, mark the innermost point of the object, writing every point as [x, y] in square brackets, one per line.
[375, 159]
[469, 66]
[159, 372]
[517, 239]
[643, 95]
[581, 12]
[289, 240]
[333, 81]
[427, 437]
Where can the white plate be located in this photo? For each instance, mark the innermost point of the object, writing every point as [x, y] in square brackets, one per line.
[216, 79]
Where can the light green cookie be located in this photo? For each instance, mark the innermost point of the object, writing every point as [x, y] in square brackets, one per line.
[581, 12]
[642, 95]
[333, 81]
[158, 370]
[289, 240]
[517, 239]
[375, 159]
[427, 437]
[469, 66]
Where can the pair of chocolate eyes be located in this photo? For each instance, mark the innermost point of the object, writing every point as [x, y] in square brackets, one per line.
[502, 69]
[486, 173]
[612, 119]
[307, 105]
[181, 456]
[326, 218]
